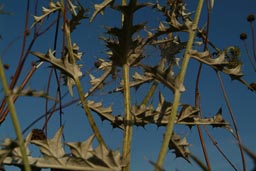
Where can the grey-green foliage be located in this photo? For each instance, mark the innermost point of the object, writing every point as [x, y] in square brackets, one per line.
[82, 156]
[125, 45]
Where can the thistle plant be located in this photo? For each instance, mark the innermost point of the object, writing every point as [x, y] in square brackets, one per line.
[126, 61]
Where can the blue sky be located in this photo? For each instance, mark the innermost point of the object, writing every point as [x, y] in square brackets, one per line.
[228, 20]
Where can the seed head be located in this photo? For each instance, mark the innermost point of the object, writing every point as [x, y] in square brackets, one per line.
[243, 36]
[250, 18]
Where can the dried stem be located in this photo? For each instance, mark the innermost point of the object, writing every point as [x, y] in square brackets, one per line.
[253, 40]
[233, 120]
[219, 149]
[249, 56]
[197, 93]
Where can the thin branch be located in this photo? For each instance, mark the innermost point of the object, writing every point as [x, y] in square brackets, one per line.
[197, 93]
[233, 120]
[219, 149]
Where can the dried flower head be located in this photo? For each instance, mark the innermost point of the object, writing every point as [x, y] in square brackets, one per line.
[243, 36]
[250, 18]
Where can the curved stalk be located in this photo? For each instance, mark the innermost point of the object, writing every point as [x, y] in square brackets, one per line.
[177, 93]
[14, 117]
[79, 87]
[233, 120]
[88, 113]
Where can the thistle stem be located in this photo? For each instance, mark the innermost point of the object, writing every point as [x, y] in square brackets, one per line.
[177, 92]
[14, 118]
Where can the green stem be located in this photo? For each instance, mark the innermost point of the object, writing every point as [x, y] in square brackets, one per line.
[14, 118]
[150, 93]
[127, 118]
[127, 140]
[177, 93]
[88, 113]
[80, 89]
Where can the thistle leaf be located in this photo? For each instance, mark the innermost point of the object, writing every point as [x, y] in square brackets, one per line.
[179, 146]
[81, 149]
[99, 8]
[72, 70]
[51, 147]
[77, 17]
[220, 63]
[53, 7]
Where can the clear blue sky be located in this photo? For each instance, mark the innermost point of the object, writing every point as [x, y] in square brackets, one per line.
[228, 20]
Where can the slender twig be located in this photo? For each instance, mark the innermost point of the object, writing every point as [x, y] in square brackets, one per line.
[197, 99]
[253, 40]
[233, 120]
[197, 93]
[24, 83]
[50, 113]
[219, 149]
[14, 117]
[249, 56]
[177, 94]
[58, 92]
[4, 111]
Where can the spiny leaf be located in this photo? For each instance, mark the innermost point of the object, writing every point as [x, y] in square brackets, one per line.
[82, 157]
[7, 149]
[98, 82]
[72, 7]
[138, 80]
[76, 18]
[219, 63]
[104, 113]
[179, 146]
[176, 16]
[72, 70]
[81, 149]
[109, 158]
[165, 78]
[51, 147]
[160, 116]
[187, 113]
[99, 8]
[53, 7]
